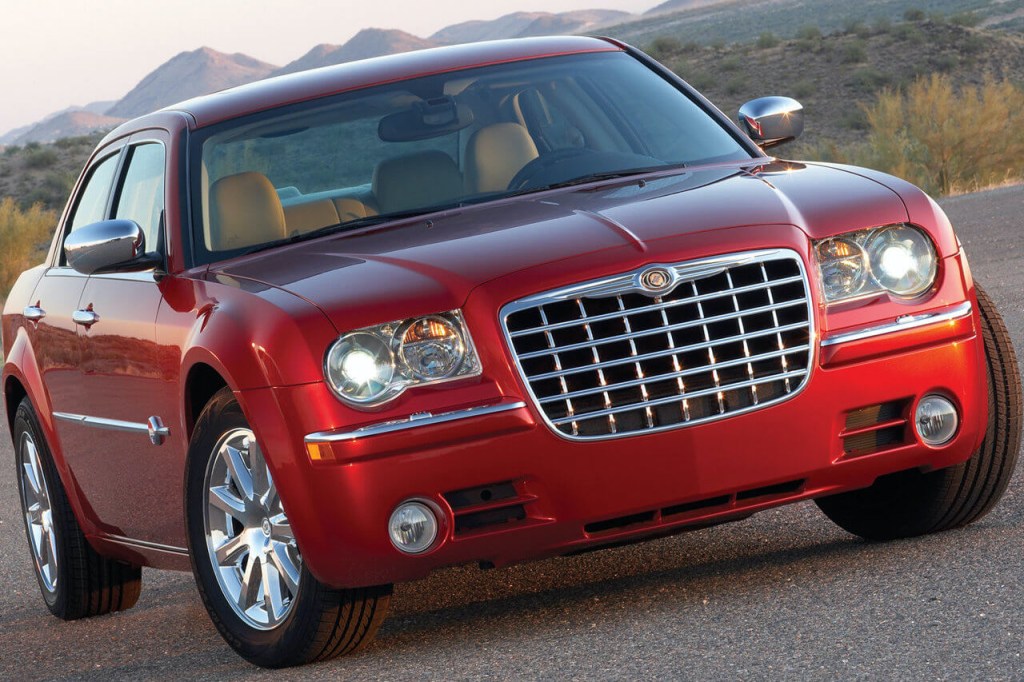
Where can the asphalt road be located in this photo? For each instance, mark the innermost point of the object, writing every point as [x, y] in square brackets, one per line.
[782, 595]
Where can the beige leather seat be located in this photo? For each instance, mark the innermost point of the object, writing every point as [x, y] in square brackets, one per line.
[495, 154]
[244, 211]
[353, 209]
[416, 181]
[310, 215]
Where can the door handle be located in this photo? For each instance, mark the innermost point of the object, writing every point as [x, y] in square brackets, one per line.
[86, 318]
[33, 313]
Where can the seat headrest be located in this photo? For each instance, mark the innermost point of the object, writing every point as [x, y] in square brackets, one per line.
[495, 154]
[422, 179]
[244, 211]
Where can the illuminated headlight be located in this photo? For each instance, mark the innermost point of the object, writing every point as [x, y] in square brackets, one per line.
[897, 259]
[373, 365]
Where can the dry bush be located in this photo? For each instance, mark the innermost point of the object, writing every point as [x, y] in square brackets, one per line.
[24, 237]
[946, 140]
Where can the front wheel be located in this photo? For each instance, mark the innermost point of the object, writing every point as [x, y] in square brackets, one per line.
[258, 592]
[911, 503]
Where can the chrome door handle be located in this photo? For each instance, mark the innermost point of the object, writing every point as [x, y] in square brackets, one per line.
[86, 318]
[33, 313]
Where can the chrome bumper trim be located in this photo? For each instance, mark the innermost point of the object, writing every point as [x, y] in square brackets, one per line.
[413, 421]
[902, 323]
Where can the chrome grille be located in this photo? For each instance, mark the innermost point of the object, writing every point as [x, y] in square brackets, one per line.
[609, 358]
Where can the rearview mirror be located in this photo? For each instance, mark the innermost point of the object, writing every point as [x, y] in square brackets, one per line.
[772, 120]
[108, 245]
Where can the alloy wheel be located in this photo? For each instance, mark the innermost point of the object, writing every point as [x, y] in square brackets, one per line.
[248, 538]
[35, 503]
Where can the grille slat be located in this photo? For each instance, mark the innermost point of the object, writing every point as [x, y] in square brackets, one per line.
[602, 360]
[583, 345]
[658, 306]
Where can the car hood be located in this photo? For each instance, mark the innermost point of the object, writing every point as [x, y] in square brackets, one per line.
[430, 264]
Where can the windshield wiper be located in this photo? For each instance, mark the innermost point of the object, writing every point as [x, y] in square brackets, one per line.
[596, 177]
[340, 227]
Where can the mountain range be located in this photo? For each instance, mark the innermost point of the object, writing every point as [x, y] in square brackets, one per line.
[205, 70]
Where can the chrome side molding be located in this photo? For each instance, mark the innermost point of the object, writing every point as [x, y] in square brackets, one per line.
[902, 323]
[413, 421]
[154, 428]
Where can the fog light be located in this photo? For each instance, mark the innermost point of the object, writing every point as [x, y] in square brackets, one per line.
[936, 420]
[413, 527]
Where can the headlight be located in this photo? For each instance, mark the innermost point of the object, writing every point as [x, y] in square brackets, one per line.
[898, 259]
[373, 365]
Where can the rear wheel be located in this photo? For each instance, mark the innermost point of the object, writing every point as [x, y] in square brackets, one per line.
[912, 503]
[256, 588]
[75, 580]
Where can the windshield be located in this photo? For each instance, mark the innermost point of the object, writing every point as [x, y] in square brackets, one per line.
[425, 144]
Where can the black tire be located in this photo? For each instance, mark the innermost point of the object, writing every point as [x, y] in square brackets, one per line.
[910, 503]
[86, 584]
[321, 623]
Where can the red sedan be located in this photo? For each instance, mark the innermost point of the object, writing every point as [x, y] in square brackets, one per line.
[331, 331]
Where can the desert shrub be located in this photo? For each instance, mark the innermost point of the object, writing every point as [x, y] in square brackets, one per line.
[965, 19]
[974, 44]
[664, 46]
[51, 190]
[24, 237]
[944, 63]
[700, 80]
[731, 63]
[736, 85]
[868, 79]
[804, 89]
[882, 25]
[808, 32]
[854, 53]
[961, 144]
[908, 34]
[914, 14]
[39, 158]
[767, 40]
[856, 27]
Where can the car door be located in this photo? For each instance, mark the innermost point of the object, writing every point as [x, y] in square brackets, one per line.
[120, 408]
[53, 331]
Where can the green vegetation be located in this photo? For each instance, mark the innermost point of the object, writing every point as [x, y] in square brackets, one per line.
[24, 238]
[44, 173]
[965, 142]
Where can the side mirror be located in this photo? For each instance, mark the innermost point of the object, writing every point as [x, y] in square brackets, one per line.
[772, 120]
[108, 245]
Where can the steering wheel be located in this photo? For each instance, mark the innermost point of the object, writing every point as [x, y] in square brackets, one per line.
[528, 173]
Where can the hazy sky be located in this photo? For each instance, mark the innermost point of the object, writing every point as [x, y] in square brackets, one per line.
[55, 53]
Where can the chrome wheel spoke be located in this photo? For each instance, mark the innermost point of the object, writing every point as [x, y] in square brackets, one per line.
[273, 601]
[223, 499]
[281, 529]
[240, 473]
[32, 479]
[231, 551]
[260, 475]
[251, 579]
[286, 567]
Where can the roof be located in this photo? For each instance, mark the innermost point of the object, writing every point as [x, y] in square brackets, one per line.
[330, 80]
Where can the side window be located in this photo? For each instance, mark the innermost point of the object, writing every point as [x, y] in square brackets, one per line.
[142, 193]
[92, 202]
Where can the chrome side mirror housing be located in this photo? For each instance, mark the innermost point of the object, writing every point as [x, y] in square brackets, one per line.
[108, 245]
[772, 120]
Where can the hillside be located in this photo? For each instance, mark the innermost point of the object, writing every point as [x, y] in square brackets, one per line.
[522, 24]
[187, 75]
[370, 42]
[837, 73]
[731, 21]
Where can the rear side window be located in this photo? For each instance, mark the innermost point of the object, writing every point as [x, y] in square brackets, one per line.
[142, 192]
[92, 202]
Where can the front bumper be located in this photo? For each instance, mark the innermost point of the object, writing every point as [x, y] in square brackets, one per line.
[510, 490]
